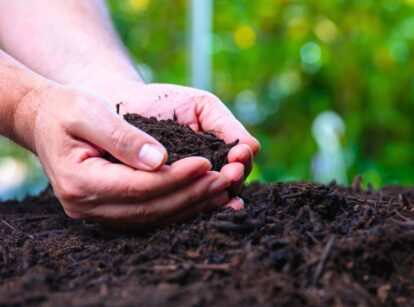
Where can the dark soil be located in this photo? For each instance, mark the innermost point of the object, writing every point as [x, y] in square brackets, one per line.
[294, 245]
[181, 141]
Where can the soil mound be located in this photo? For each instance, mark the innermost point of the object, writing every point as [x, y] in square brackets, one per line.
[294, 245]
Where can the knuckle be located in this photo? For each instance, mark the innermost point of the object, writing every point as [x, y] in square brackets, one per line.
[136, 192]
[207, 103]
[122, 140]
[69, 191]
[72, 120]
[144, 216]
[194, 197]
[208, 98]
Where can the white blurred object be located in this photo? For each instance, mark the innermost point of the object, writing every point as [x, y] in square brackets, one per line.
[329, 164]
[13, 174]
[201, 43]
[247, 108]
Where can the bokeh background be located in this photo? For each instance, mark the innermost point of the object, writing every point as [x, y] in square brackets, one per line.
[327, 86]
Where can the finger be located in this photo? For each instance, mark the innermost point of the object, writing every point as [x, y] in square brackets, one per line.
[108, 182]
[151, 212]
[215, 202]
[235, 173]
[236, 203]
[243, 154]
[125, 142]
[214, 115]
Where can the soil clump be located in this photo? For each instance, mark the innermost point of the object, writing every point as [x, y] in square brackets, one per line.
[181, 141]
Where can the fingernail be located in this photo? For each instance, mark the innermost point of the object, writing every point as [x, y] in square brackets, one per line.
[236, 204]
[218, 185]
[151, 155]
[241, 202]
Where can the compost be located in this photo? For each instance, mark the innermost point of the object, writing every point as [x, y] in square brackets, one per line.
[181, 141]
[294, 244]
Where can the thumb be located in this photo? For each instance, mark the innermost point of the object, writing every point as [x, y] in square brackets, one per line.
[122, 140]
[135, 148]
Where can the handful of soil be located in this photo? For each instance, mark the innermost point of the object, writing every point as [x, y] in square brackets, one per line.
[181, 141]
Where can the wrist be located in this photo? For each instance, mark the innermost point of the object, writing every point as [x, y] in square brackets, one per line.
[15, 87]
[25, 113]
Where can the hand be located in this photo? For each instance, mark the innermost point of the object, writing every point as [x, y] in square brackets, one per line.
[70, 130]
[200, 110]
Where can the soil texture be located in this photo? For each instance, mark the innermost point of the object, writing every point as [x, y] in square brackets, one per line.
[295, 244]
[181, 141]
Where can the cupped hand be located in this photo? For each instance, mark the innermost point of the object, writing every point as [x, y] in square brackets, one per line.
[70, 131]
[200, 110]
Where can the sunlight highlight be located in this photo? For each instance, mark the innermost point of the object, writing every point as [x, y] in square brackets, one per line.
[245, 37]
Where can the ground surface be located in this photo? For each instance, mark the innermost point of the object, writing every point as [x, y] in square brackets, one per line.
[295, 244]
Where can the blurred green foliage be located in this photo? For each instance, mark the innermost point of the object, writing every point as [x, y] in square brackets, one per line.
[35, 180]
[293, 60]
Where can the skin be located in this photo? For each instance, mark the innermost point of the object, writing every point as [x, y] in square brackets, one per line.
[64, 111]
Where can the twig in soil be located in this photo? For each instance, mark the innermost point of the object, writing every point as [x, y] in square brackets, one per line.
[201, 266]
[294, 195]
[176, 258]
[325, 254]
[118, 105]
[306, 265]
[61, 251]
[356, 183]
[226, 226]
[214, 266]
[166, 267]
[49, 232]
[404, 200]
[7, 224]
[5, 254]
[312, 237]
[14, 228]
[355, 199]
[408, 224]
[33, 218]
[400, 215]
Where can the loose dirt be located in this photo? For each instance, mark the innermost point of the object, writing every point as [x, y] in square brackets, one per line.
[295, 244]
[181, 141]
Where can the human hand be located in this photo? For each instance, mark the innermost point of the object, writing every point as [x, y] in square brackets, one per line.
[198, 109]
[69, 130]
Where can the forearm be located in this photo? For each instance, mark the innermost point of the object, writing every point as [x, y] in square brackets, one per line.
[72, 42]
[16, 82]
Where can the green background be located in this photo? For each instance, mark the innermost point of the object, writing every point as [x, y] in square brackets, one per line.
[278, 64]
[365, 73]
